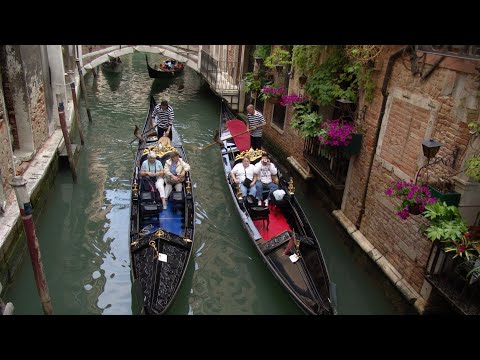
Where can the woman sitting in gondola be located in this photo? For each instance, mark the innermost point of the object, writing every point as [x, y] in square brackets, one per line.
[175, 169]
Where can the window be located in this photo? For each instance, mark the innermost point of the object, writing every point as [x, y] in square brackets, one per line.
[278, 117]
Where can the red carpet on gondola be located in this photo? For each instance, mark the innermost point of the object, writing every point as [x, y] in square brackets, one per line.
[235, 127]
[278, 224]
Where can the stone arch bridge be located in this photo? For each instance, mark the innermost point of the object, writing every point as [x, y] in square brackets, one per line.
[224, 78]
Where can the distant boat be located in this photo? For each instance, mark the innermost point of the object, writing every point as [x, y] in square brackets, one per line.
[167, 68]
[161, 240]
[113, 66]
[279, 231]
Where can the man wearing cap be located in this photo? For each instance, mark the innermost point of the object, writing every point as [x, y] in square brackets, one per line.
[154, 169]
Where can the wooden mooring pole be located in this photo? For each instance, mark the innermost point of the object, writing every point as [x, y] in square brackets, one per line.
[84, 89]
[19, 184]
[75, 106]
[5, 309]
[68, 144]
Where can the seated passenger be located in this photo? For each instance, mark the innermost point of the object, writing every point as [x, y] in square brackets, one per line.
[153, 169]
[175, 169]
[242, 174]
[267, 178]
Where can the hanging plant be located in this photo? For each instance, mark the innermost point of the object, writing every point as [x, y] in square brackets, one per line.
[305, 58]
[262, 51]
[278, 57]
[305, 120]
[251, 84]
[363, 53]
[473, 167]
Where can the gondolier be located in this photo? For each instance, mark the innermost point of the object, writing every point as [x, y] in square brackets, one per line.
[162, 118]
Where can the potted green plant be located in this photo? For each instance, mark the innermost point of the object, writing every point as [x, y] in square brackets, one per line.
[305, 120]
[261, 52]
[251, 84]
[278, 57]
[450, 230]
[473, 168]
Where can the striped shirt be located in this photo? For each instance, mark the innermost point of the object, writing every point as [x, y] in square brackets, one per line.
[165, 117]
[254, 120]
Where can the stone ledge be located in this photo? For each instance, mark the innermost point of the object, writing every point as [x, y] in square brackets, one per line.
[305, 174]
[390, 271]
[344, 221]
[414, 298]
[363, 242]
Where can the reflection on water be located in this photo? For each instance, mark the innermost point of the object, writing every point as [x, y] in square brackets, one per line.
[83, 231]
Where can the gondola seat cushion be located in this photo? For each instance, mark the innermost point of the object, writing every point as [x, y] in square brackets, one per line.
[150, 209]
[178, 199]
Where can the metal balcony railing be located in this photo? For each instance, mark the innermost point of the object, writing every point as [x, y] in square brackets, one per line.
[328, 164]
[448, 276]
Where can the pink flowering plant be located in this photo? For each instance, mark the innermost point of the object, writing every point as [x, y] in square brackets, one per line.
[335, 133]
[413, 197]
[292, 99]
[270, 91]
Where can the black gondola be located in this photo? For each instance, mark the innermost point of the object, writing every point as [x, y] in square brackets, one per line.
[113, 66]
[164, 71]
[161, 241]
[280, 231]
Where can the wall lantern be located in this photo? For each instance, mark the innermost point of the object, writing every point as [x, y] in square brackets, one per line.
[430, 148]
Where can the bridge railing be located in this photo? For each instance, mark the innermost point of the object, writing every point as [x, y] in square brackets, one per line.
[223, 76]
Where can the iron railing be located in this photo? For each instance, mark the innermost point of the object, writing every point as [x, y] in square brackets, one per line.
[449, 276]
[331, 165]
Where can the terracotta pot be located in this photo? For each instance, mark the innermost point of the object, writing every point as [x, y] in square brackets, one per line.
[302, 79]
[416, 209]
[274, 100]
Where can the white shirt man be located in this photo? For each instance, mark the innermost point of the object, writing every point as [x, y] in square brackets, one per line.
[242, 171]
[264, 170]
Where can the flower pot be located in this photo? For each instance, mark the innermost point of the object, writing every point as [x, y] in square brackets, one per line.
[452, 198]
[416, 209]
[302, 79]
[354, 147]
[274, 100]
[259, 60]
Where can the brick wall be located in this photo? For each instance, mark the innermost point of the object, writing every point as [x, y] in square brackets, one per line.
[438, 107]
[39, 117]
[287, 138]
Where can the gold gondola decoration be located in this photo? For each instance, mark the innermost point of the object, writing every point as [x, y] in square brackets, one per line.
[135, 185]
[188, 185]
[154, 246]
[291, 188]
[252, 154]
[239, 193]
[160, 149]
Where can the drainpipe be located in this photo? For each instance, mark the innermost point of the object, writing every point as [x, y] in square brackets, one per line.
[386, 79]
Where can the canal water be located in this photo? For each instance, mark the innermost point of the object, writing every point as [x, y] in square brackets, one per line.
[83, 231]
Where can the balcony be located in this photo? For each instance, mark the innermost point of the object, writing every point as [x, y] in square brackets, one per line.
[449, 277]
[329, 164]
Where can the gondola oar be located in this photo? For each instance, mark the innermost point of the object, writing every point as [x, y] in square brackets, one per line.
[217, 141]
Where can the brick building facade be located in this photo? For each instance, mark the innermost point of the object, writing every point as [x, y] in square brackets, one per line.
[408, 107]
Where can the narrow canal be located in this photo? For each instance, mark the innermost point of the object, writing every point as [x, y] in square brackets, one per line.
[83, 231]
